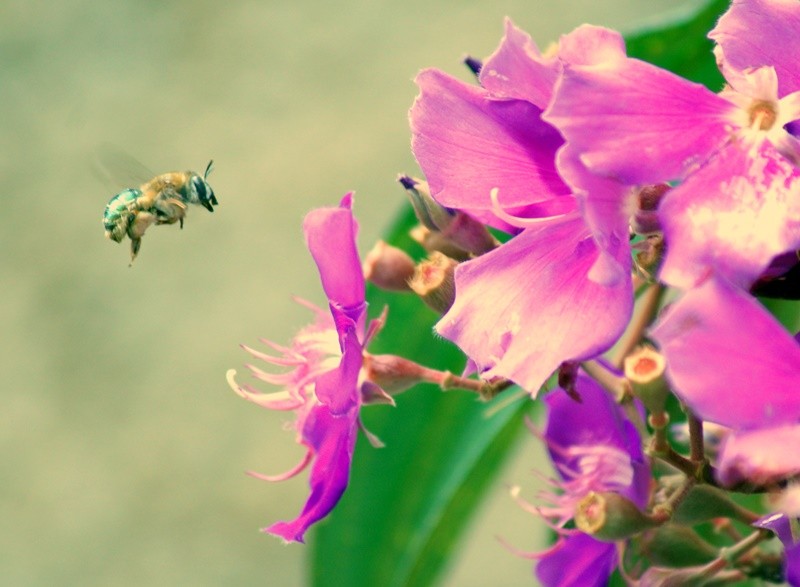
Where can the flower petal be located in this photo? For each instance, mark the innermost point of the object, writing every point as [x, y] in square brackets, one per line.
[635, 122]
[597, 421]
[728, 359]
[333, 440]
[733, 216]
[518, 70]
[467, 145]
[581, 561]
[331, 238]
[756, 455]
[338, 388]
[754, 33]
[524, 308]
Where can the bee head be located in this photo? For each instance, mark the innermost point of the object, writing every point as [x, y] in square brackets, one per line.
[201, 192]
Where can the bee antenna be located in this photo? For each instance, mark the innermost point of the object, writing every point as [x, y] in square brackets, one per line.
[209, 169]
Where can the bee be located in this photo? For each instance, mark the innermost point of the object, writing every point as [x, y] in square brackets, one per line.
[161, 200]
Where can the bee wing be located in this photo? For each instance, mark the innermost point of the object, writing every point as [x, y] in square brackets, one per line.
[117, 169]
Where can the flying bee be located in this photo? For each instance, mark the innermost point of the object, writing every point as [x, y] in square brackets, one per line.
[161, 200]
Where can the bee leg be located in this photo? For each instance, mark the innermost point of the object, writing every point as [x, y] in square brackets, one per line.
[136, 244]
[181, 222]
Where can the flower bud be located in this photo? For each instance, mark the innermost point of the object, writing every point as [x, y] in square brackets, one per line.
[704, 503]
[430, 213]
[609, 517]
[649, 253]
[388, 267]
[645, 220]
[394, 374]
[435, 242]
[434, 282]
[458, 228]
[672, 545]
[473, 64]
[644, 369]
[702, 576]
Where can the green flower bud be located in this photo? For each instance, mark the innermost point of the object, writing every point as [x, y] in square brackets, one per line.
[610, 517]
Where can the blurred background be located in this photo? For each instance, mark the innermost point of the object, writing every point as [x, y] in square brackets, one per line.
[123, 449]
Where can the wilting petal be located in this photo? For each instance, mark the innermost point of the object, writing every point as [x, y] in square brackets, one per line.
[331, 238]
[754, 33]
[581, 561]
[637, 123]
[467, 145]
[524, 308]
[518, 70]
[762, 456]
[732, 216]
[333, 439]
[728, 359]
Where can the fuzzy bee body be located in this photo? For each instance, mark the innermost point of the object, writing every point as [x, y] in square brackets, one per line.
[161, 200]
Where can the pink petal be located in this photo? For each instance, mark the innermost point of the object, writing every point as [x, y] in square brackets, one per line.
[733, 216]
[606, 208]
[518, 70]
[333, 441]
[331, 238]
[591, 45]
[728, 359]
[338, 388]
[762, 456]
[637, 123]
[755, 33]
[524, 308]
[468, 145]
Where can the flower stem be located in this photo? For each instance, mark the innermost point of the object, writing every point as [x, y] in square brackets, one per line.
[646, 310]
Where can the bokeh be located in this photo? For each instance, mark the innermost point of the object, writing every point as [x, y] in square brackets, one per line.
[123, 449]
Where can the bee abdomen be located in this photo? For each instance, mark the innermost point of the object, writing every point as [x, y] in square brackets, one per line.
[120, 213]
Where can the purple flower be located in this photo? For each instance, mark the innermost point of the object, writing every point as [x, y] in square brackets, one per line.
[738, 203]
[593, 448]
[322, 385]
[546, 296]
[785, 529]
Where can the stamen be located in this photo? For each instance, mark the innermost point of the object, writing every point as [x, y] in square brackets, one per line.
[516, 221]
[288, 474]
[763, 115]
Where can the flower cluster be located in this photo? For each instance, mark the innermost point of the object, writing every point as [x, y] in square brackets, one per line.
[637, 216]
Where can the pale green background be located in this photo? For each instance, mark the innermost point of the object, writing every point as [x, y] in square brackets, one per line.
[123, 448]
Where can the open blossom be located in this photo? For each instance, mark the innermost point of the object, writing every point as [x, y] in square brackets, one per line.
[323, 384]
[594, 449]
[538, 300]
[738, 201]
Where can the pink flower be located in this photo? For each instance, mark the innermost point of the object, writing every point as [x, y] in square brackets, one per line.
[323, 383]
[554, 292]
[738, 203]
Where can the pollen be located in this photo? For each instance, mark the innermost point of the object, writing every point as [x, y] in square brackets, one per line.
[763, 115]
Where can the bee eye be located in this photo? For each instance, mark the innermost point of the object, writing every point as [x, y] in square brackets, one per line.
[200, 187]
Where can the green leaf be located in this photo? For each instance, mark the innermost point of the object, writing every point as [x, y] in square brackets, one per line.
[408, 502]
[683, 48]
